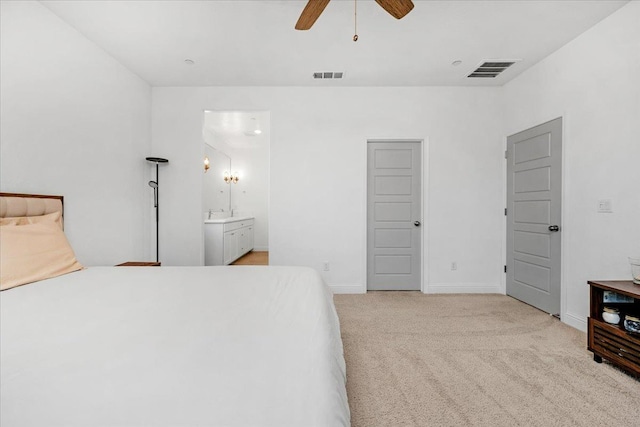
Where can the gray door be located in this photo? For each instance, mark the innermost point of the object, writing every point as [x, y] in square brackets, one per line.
[394, 215]
[534, 159]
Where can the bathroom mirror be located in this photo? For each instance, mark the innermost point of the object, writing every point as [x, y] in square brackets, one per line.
[216, 194]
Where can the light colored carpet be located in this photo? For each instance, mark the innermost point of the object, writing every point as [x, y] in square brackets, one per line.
[474, 360]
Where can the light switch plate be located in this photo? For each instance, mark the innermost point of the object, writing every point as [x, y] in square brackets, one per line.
[605, 206]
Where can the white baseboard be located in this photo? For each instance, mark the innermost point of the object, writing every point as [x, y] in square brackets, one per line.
[575, 321]
[463, 288]
[438, 288]
[261, 249]
[348, 289]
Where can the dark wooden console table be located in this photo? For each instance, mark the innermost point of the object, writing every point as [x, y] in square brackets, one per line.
[613, 342]
[139, 264]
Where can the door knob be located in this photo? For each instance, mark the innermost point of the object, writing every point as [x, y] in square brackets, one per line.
[554, 228]
[416, 223]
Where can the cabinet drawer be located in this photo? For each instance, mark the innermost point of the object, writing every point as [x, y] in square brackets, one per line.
[230, 226]
[614, 344]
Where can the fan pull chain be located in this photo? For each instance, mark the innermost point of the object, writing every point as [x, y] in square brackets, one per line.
[355, 20]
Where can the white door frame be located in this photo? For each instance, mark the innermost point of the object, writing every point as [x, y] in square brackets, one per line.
[424, 232]
[566, 317]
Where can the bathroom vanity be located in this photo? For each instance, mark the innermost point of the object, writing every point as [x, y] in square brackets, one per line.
[227, 239]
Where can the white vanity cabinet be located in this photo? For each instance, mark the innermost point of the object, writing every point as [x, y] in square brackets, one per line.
[226, 240]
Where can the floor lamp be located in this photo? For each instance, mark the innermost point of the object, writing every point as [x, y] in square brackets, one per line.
[156, 204]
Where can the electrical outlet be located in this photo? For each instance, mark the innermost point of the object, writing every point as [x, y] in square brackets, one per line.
[454, 266]
[605, 206]
[325, 266]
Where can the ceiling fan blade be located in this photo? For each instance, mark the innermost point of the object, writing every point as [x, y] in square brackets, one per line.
[310, 14]
[396, 8]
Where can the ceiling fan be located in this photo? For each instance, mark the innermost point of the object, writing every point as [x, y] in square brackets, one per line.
[396, 8]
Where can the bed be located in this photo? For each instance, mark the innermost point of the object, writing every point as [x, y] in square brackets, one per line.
[172, 346]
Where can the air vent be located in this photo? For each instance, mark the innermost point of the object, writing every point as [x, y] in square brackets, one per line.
[490, 69]
[328, 75]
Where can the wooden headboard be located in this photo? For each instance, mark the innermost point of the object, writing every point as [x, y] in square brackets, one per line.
[15, 204]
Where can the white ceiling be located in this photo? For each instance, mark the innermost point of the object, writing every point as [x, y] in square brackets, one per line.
[236, 129]
[254, 43]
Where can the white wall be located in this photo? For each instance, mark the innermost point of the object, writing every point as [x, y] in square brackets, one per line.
[76, 123]
[318, 174]
[594, 84]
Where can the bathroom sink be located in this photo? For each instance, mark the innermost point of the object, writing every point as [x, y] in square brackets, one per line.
[225, 220]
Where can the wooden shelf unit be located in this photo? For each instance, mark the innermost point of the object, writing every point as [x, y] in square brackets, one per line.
[613, 342]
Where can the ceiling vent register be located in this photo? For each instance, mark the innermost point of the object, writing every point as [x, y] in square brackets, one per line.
[328, 75]
[490, 69]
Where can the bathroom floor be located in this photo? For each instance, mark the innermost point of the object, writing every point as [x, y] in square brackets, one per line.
[253, 258]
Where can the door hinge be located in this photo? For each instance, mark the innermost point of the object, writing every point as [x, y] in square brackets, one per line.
[506, 154]
[505, 211]
[505, 268]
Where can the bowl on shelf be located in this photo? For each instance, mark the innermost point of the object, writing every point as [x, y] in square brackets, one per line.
[632, 324]
[611, 315]
[635, 269]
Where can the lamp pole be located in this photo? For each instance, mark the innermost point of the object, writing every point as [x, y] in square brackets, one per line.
[156, 193]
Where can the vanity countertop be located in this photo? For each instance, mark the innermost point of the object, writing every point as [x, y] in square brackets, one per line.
[226, 220]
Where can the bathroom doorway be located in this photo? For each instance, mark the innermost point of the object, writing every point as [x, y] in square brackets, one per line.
[237, 189]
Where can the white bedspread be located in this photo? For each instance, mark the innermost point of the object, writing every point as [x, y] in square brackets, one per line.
[172, 346]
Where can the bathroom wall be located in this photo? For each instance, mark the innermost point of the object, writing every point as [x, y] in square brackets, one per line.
[251, 193]
[216, 194]
[249, 152]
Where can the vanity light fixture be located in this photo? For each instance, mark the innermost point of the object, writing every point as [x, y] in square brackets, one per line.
[229, 178]
[206, 164]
